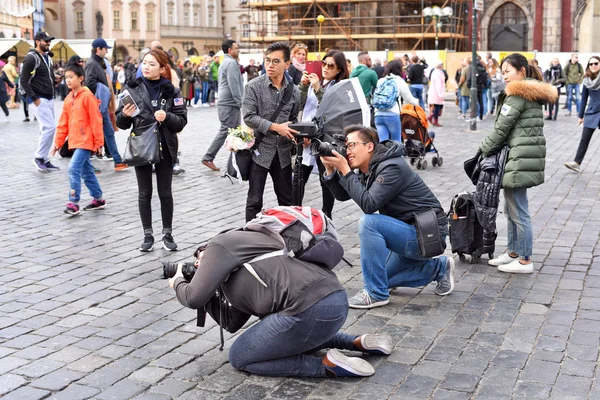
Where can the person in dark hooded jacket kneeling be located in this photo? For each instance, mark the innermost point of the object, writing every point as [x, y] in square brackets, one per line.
[389, 249]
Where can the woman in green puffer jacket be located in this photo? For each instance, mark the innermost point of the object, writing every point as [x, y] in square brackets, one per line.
[520, 125]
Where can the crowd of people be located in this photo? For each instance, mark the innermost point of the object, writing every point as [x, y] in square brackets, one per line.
[373, 173]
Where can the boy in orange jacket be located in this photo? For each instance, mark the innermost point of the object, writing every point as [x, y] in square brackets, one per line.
[81, 122]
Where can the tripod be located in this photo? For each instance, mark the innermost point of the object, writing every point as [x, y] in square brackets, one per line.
[298, 180]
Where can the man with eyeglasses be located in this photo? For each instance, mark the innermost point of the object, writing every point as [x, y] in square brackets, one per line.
[37, 81]
[270, 103]
[389, 250]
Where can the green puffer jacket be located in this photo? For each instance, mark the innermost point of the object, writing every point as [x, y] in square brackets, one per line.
[520, 123]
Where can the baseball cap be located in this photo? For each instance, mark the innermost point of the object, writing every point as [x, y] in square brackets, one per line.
[43, 36]
[100, 43]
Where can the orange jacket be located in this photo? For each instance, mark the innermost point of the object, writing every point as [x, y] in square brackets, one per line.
[81, 122]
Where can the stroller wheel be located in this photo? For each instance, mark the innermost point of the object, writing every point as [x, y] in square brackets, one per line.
[434, 161]
[440, 161]
[424, 164]
[419, 164]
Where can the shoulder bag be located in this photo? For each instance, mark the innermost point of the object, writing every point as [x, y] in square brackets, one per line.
[144, 148]
[428, 233]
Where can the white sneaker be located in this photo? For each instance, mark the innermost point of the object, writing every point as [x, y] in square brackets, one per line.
[502, 259]
[376, 344]
[516, 267]
[573, 166]
[341, 365]
[5, 118]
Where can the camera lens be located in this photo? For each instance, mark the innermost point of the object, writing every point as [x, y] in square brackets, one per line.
[170, 269]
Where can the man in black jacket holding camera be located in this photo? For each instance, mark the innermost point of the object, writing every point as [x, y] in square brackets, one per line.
[389, 249]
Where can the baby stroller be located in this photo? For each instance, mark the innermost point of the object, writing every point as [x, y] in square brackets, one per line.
[417, 141]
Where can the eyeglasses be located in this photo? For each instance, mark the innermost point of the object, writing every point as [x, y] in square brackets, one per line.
[274, 61]
[595, 64]
[329, 65]
[352, 145]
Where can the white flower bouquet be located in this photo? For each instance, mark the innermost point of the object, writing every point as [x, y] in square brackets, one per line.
[240, 138]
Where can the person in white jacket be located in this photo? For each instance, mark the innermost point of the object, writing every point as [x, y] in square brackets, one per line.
[387, 121]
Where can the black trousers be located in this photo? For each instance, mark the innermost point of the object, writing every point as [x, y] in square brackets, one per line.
[164, 177]
[282, 184]
[327, 196]
[554, 106]
[480, 100]
[586, 136]
[3, 104]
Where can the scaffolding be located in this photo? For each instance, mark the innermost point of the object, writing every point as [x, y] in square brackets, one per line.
[355, 25]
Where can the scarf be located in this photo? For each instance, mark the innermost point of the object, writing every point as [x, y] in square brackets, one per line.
[153, 87]
[298, 66]
[592, 84]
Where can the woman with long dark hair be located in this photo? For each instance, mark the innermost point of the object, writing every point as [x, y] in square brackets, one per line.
[157, 100]
[590, 118]
[312, 89]
[520, 125]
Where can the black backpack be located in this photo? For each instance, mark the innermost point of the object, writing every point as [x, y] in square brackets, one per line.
[482, 76]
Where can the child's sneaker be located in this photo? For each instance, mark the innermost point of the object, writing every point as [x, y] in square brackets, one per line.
[72, 209]
[95, 205]
[339, 365]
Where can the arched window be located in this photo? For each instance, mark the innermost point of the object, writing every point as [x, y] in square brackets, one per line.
[508, 29]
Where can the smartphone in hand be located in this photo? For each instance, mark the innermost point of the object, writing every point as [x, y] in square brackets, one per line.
[315, 67]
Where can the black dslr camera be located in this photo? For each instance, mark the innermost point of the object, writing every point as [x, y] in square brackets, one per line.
[321, 144]
[170, 269]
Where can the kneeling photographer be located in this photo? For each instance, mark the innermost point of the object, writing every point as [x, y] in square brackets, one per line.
[301, 306]
[396, 244]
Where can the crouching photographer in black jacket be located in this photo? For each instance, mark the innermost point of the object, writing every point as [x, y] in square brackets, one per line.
[390, 252]
[301, 307]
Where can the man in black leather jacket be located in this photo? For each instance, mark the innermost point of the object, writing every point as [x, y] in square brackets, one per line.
[385, 183]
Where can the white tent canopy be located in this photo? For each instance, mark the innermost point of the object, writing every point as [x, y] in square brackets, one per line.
[83, 47]
[19, 46]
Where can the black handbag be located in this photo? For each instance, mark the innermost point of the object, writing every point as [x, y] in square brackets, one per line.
[243, 161]
[143, 149]
[428, 234]
[64, 151]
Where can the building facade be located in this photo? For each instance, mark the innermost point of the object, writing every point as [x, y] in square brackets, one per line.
[16, 18]
[518, 25]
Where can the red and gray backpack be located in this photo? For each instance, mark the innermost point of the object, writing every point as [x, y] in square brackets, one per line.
[306, 233]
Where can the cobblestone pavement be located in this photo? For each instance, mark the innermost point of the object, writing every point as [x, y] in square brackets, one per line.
[84, 314]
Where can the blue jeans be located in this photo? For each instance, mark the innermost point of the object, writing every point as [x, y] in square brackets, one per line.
[464, 104]
[277, 345]
[490, 101]
[390, 256]
[520, 232]
[570, 89]
[80, 167]
[109, 138]
[417, 91]
[388, 126]
[196, 95]
[205, 90]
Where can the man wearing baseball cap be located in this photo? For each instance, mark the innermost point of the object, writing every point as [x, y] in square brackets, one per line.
[97, 80]
[37, 80]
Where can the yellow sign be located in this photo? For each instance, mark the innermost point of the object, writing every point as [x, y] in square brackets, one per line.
[529, 55]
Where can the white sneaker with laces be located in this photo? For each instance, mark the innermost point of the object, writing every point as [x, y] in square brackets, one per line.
[516, 267]
[573, 166]
[502, 259]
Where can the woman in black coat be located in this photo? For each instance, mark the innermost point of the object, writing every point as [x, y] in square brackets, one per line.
[157, 100]
[3, 94]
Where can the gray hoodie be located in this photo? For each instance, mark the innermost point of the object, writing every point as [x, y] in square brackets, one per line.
[231, 83]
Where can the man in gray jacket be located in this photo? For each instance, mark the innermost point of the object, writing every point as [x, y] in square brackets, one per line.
[231, 91]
